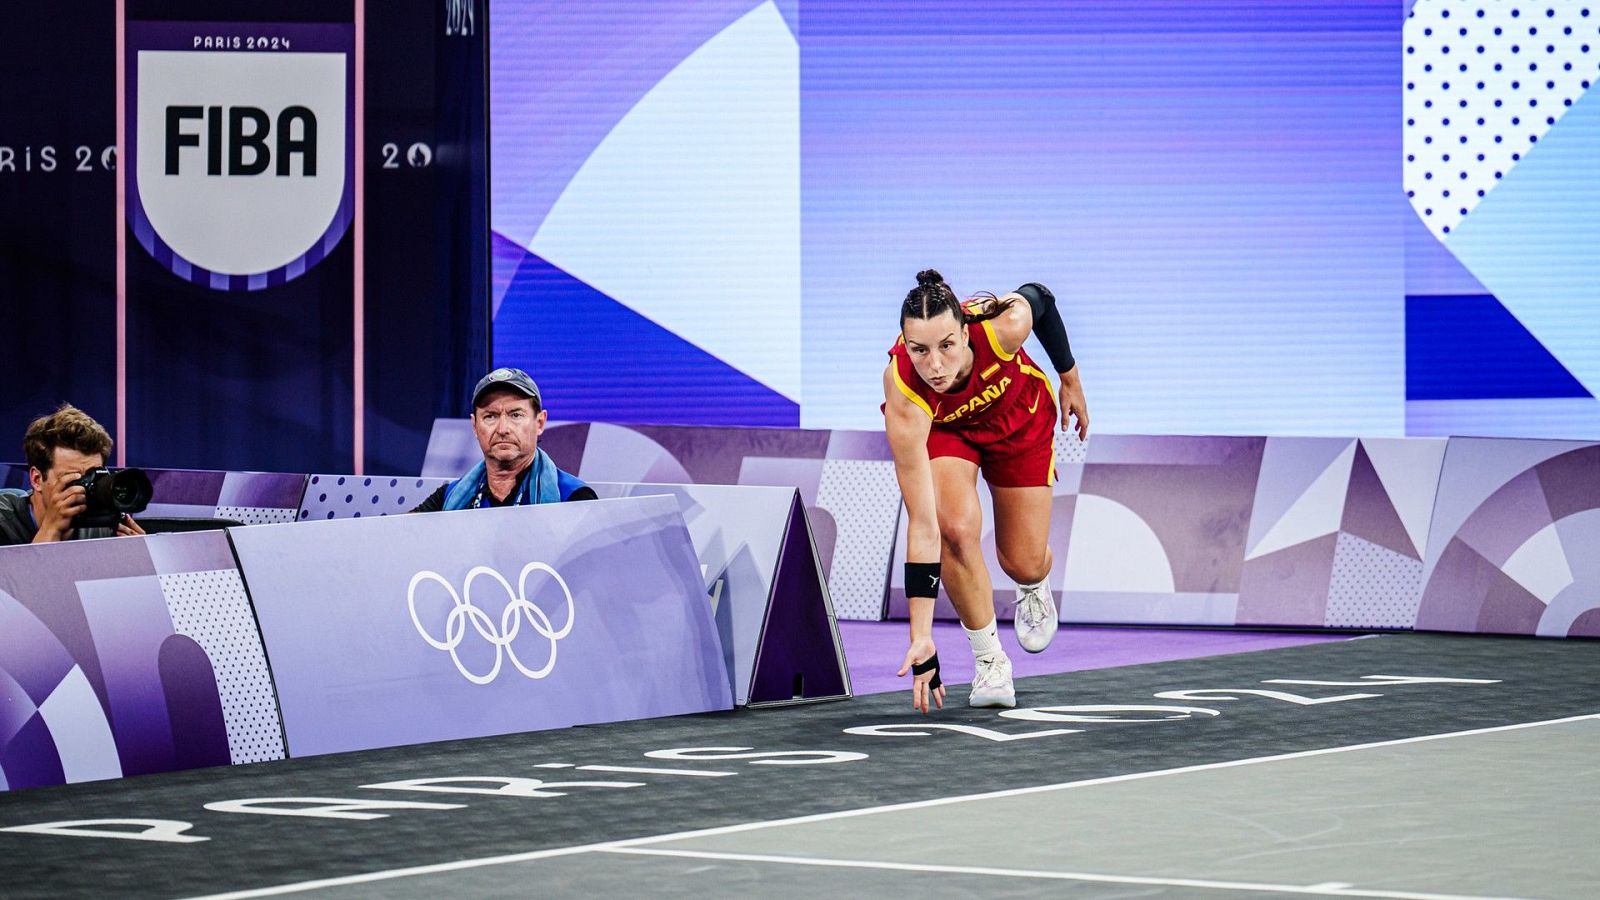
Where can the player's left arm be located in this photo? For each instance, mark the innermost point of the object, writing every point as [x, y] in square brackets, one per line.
[1034, 311]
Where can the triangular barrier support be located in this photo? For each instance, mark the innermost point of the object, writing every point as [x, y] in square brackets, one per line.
[799, 658]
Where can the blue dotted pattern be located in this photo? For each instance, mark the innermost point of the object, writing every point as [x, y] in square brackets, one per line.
[358, 496]
[1484, 84]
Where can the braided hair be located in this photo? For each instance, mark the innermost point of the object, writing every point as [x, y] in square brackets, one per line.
[932, 297]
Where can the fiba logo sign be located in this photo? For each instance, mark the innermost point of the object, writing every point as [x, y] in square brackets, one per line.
[243, 143]
[240, 172]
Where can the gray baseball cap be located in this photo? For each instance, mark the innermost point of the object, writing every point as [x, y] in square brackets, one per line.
[515, 379]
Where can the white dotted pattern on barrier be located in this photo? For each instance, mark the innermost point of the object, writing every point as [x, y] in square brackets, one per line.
[1484, 82]
[256, 515]
[1372, 586]
[212, 609]
[354, 496]
[1069, 449]
[863, 497]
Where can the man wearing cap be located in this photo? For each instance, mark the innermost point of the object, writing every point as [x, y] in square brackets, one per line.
[508, 419]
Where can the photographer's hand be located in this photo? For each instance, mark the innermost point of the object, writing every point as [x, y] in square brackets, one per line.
[56, 523]
[127, 527]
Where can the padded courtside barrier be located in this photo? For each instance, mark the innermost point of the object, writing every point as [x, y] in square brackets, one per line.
[846, 479]
[401, 630]
[129, 656]
[1180, 530]
[1515, 546]
[765, 585]
[1338, 531]
[251, 498]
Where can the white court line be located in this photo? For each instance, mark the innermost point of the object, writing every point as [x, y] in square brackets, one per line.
[850, 813]
[1332, 889]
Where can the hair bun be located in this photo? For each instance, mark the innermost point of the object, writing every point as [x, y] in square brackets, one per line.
[930, 276]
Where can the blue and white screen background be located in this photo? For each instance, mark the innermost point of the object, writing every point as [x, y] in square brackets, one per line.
[1353, 218]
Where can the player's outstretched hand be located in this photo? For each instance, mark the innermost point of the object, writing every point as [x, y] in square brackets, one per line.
[1073, 404]
[925, 685]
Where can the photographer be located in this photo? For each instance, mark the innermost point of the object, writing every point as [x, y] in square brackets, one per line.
[59, 449]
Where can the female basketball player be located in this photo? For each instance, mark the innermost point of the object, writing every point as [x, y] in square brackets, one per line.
[961, 396]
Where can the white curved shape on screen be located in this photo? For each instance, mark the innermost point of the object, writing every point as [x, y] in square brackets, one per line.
[1112, 549]
[689, 211]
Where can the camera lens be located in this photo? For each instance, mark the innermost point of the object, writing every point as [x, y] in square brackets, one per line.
[109, 495]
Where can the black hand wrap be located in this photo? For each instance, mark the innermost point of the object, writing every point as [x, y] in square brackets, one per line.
[931, 664]
[1047, 324]
[922, 579]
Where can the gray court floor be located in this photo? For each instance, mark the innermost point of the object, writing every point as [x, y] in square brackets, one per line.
[1428, 817]
[1405, 766]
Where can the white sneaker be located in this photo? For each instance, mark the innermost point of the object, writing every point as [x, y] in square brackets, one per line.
[991, 685]
[1034, 618]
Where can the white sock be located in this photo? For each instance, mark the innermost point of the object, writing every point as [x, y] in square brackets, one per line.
[985, 641]
[1042, 584]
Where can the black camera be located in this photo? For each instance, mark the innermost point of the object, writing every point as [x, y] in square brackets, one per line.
[110, 496]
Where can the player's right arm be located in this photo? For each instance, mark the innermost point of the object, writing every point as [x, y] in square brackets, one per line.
[907, 426]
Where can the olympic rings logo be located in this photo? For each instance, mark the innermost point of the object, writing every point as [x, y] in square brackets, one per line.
[499, 634]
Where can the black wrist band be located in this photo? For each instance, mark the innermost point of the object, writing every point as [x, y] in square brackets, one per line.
[922, 579]
[931, 664]
[1048, 327]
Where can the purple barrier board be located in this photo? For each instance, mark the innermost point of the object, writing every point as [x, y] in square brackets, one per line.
[1515, 544]
[400, 630]
[771, 605]
[127, 656]
[1190, 530]
[845, 478]
[252, 498]
[1337, 532]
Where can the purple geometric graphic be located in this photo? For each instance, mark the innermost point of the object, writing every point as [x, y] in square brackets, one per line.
[1337, 532]
[252, 498]
[1288, 587]
[97, 678]
[1368, 511]
[1519, 554]
[642, 385]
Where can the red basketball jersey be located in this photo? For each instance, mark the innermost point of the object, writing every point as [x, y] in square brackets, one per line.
[1000, 396]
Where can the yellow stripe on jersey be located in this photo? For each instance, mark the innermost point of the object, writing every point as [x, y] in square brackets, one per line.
[994, 341]
[1050, 392]
[1049, 389]
[906, 389]
[989, 371]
